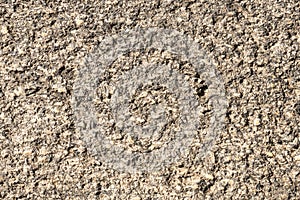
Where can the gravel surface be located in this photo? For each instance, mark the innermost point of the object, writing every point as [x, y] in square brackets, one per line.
[253, 44]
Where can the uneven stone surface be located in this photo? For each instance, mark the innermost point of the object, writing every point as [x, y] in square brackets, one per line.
[255, 46]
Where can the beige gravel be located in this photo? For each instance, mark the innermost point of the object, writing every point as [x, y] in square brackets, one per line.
[255, 46]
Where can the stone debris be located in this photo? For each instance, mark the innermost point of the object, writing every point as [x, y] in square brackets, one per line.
[254, 45]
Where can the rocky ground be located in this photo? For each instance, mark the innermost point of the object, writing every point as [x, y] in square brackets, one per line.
[254, 45]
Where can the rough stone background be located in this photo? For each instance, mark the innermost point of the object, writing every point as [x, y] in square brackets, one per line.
[254, 44]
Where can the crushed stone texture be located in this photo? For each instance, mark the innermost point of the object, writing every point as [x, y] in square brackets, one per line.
[254, 45]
